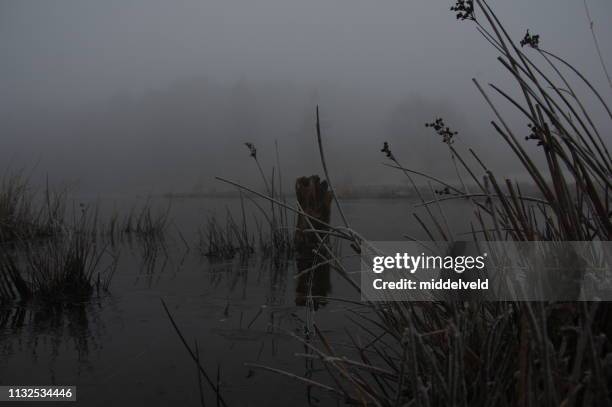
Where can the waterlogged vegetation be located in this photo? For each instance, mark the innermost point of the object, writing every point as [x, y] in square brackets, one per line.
[394, 353]
[23, 215]
[55, 252]
[478, 353]
[47, 256]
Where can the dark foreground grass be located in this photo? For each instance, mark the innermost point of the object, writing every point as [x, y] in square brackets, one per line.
[504, 353]
[473, 353]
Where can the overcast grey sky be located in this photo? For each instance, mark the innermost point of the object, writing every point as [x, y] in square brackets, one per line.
[361, 60]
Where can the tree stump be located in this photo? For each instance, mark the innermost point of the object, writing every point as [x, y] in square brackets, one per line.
[315, 200]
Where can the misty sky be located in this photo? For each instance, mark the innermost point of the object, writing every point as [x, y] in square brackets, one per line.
[160, 95]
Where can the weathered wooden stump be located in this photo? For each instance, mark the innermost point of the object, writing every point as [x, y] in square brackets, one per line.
[315, 200]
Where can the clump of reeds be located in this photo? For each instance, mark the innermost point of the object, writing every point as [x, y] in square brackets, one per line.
[25, 214]
[273, 236]
[494, 353]
[146, 223]
[70, 267]
[224, 242]
[280, 232]
[142, 223]
[143, 227]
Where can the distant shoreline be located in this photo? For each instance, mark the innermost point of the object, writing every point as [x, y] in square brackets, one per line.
[399, 192]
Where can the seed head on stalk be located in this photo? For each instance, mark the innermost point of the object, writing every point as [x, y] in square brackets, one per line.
[443, 130]
[464, 10]
[252, 149]
[253, 153]
[530, 40]
[387, 151]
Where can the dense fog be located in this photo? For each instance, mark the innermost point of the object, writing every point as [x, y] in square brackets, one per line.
[160, 96]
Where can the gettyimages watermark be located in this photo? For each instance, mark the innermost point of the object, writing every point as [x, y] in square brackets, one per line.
[486, 271]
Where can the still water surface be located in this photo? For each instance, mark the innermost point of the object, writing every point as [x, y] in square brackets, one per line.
[122, 350]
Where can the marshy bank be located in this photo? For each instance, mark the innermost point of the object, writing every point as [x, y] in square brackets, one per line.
[488, 353]
[108, 295]
[238, 308]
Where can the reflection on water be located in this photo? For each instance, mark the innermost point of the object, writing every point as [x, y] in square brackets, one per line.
[35, 331]
[314, 283]
[122, 350]
[239, 311]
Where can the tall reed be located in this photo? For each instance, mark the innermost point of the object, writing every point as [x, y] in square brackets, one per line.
[493, 353]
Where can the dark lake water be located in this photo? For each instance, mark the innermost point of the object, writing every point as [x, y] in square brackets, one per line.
[121, 349]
